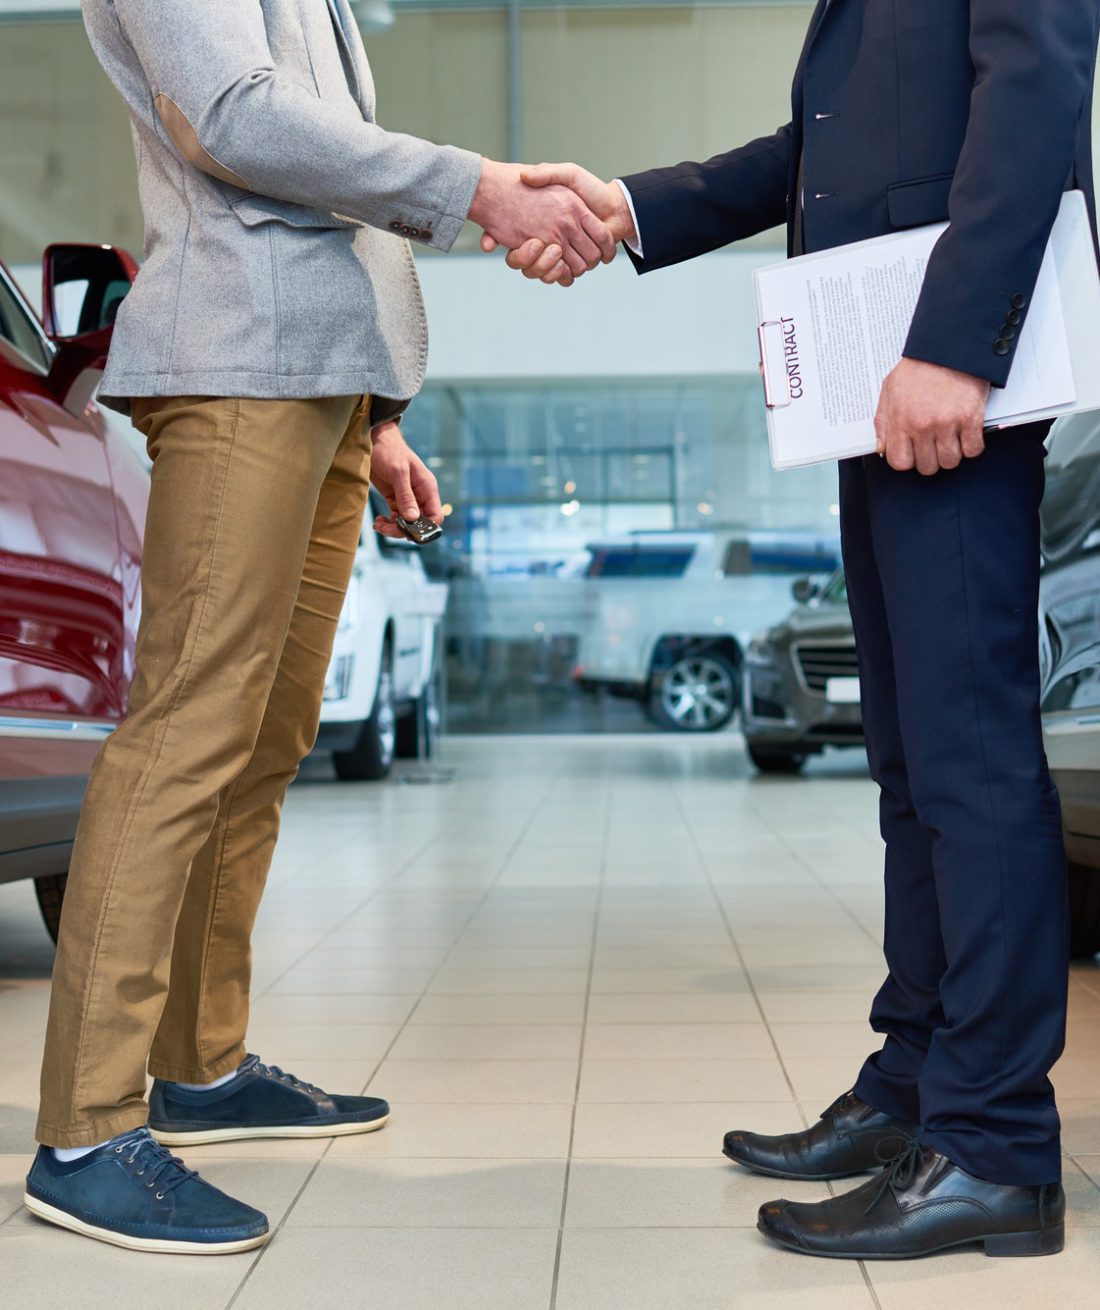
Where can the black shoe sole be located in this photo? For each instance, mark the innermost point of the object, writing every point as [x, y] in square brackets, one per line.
[795, 1178]
[1047, 1241]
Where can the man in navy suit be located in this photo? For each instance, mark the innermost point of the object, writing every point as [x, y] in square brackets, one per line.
[976, 112]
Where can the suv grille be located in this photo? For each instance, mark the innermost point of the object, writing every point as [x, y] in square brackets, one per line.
[817, 664]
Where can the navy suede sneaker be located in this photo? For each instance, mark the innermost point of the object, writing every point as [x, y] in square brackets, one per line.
[133, 1193]
[261, 1101]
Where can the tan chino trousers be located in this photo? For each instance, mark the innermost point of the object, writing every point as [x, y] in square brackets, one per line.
[254, 518]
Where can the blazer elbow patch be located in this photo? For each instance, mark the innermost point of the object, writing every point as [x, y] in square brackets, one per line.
[186, 140]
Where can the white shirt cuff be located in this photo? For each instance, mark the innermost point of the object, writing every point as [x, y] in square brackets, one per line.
[636, 245]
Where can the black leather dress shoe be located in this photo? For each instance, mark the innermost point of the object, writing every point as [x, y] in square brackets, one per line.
[849, 1138]
[922, 1204]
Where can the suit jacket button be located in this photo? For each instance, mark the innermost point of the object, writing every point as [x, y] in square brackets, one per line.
[395, 227]
[1002, 347]
[1008, 332]
[1013, 318]
[1019, 301]
[406, 231]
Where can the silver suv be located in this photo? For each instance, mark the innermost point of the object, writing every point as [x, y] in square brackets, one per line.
[801, 683]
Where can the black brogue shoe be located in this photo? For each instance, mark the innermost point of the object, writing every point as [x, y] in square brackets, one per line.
[849, 1138]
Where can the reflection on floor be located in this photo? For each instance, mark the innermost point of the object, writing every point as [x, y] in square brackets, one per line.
[571, 970]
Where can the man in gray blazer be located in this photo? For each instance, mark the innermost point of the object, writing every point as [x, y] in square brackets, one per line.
[267, 350]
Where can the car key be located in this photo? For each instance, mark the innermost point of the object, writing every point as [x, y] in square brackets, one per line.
[422, 531]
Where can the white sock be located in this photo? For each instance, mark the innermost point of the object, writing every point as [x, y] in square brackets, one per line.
[68, 1153]
[208, 1087]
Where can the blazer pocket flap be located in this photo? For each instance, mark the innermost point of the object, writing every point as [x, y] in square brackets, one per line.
[916, 204]
[253, 210]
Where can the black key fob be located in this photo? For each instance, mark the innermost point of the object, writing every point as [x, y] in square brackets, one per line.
[422, 531]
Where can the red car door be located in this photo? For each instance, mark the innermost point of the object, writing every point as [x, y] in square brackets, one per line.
[63, 601]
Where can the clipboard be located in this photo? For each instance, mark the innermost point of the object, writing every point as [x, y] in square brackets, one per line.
[1057, 366]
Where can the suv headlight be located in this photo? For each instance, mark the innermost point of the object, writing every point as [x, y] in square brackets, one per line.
[760, 652]
[349, 611]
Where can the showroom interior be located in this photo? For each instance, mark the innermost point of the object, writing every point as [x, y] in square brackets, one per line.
[585, 869]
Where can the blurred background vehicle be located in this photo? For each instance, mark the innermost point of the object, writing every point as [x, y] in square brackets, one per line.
[72, 511]
[667, 616]
[801, 681]
[383, 693]
[1070, 645]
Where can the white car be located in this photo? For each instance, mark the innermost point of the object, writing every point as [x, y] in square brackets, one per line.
[382, 693]
[668, 615]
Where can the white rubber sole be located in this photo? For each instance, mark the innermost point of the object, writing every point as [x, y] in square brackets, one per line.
[65, 1220]
[202, 1136]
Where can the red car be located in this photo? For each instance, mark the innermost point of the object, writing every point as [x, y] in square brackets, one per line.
[72, 510]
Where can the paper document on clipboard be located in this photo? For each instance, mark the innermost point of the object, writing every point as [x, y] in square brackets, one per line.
[834, 324]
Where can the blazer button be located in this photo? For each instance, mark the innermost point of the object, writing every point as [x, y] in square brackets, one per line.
[406, 231]
[1002, 347]
[1013, 318]
[1008, 332]
[395, 227]
[1019, 301]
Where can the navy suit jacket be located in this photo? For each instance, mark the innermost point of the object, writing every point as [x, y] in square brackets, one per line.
[907, 112]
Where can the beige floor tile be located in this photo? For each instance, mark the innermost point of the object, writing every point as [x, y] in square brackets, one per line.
[288, 1044]
[1080, 1179]
[673, 1007]
[1080, 1124]
[1068, 1281]
[528, 1008]
[683, 1080]
[492, 1041]
[518, 957]
[410, 1269]
[331, 1009]
[473, 982]
[481, 1082]
[698, 1269]
[866, 978]
[47, 1268]
[309, 981]
[13, 1174]
[666, 957]
[816, 1040]
[641, 1130]
[403, 1193]
[487, 1132]
[816, 1007]
[677, 1041]
[705, 982]
[822, 1079]
[640, 1193]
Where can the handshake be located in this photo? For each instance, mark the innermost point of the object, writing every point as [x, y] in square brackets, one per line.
[557, 221]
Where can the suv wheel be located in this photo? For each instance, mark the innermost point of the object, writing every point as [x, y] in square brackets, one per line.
[1084, 911]
[769, 760]
[418, 731]
[371, 758]
[696, 694]
[50, 889]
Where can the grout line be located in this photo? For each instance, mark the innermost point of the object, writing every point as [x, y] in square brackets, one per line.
[475, 909]
[608, 799]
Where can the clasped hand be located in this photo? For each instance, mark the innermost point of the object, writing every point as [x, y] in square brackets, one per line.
[557, 221]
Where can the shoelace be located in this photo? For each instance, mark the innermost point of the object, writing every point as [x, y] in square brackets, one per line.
[165, 1171]
[900, 1170]
[841, 1103]
[273, 1071]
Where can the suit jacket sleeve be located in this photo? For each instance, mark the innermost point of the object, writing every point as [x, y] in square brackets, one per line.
[229, 113]
[1034, 66]
[689, 209]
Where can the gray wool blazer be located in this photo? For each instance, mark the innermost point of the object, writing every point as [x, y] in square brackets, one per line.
[277, 213]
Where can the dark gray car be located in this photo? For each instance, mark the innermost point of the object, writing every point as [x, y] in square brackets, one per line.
[801, 683]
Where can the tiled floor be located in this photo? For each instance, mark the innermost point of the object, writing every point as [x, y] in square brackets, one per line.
[571, 970]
